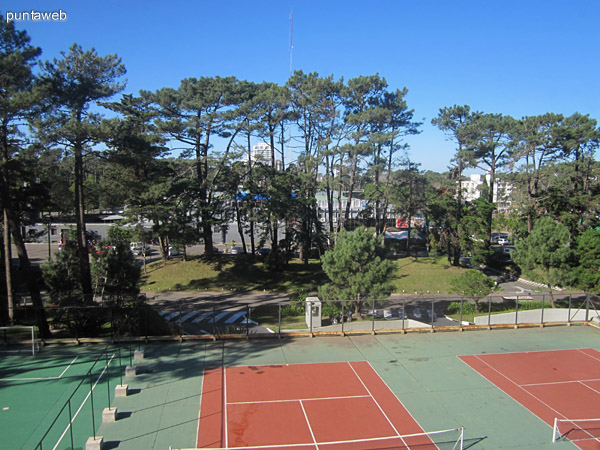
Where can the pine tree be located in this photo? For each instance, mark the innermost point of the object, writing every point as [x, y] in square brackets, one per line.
[356, 269]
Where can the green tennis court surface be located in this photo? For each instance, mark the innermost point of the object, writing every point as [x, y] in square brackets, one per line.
[33, 389]
[422, 370]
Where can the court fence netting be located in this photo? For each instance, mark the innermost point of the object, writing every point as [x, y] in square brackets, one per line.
[200, 318]
[19, 339]
[576, 430]
[451, 439]
[92, 395]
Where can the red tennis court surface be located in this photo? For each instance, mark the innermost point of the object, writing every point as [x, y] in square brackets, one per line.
[551, 384]
[330, 406]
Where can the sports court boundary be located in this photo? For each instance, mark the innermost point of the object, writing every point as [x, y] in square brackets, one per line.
[504, 372]
[42, 378]
[214, 420]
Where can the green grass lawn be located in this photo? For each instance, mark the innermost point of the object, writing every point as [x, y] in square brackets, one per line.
[431, 273]
[231, 273]
[420, 275]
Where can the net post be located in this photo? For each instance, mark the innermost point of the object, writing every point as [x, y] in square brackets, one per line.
[554, 429]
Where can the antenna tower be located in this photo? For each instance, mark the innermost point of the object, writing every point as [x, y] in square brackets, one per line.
[291, 37]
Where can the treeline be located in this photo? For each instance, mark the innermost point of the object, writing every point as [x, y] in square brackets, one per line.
[181, 158]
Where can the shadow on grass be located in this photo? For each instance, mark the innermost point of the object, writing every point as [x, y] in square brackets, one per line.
[246, 274]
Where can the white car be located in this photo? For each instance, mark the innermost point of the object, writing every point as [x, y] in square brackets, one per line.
[503, 241]
[139, 248]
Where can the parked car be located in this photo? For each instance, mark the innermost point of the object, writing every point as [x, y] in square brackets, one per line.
[237, 250]
[172, 251]
[263, 251]
[417, 314]
[503, 241]
[139, 248]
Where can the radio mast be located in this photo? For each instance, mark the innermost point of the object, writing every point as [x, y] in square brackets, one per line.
[291, 37]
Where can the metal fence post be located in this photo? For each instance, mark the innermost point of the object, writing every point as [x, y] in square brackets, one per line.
[569, 312]
[373, 318]
[180, 322]
[92, 403]
[489, 313]
[107, 375]
[542, 318]
[311, 319]
[403, 313]
[587, 306]
[342, 318]
[279, 320]
[461, 314]
[517, 313]
[247, 320]
[71, 425]
[432, 314]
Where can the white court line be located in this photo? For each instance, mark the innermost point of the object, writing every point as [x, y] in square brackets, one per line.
[308, 424]
[225, 405]
[517, 385]
[42, 378]
[300, 399]
[82, 403]
[377, 403]
[580, 350]
[559, 382]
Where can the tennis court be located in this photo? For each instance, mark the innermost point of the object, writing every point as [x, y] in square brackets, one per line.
[418, 380]
[559, 384]
[34, 388]
[308, 406]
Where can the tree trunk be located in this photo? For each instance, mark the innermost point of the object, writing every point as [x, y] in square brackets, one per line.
[32, 285]
[7, 268]
[84, 259]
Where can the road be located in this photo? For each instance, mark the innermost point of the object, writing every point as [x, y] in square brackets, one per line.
[198, 312]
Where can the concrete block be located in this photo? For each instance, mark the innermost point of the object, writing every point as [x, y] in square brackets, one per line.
[109, 415]
[121, 390]
[94, 443]
[130, 371]
[138, 354]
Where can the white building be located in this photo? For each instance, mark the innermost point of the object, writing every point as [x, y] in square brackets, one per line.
[262, 153]
[502, 190]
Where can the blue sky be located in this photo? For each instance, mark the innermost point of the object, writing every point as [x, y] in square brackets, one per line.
[512, 57]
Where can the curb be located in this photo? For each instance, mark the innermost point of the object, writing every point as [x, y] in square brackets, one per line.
[536, 284]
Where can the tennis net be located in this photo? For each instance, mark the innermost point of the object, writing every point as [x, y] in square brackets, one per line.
[576, 430]
[19, 339]
[452, 439]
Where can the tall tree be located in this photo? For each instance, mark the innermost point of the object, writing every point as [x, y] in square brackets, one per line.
[452, 120]
[193, 115]
[17, 100]
[76, 83]
[487, 137]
